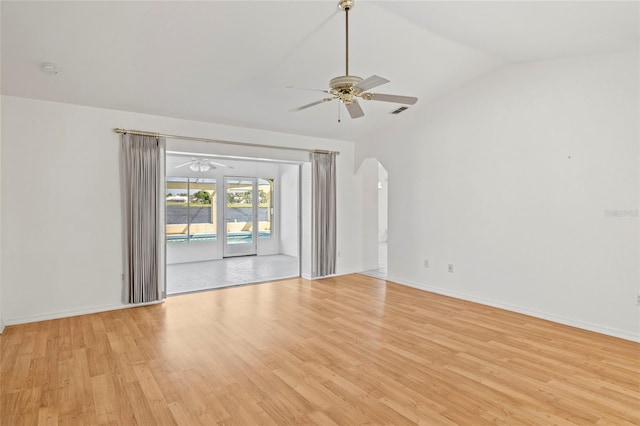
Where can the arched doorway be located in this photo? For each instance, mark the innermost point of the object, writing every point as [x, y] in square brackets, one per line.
[375, 225]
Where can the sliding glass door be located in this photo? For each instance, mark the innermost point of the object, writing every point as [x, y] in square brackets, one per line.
[240, 216]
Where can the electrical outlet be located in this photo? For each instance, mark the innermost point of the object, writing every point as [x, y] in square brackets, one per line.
[426, 263]
[638, 300]
[450, 267]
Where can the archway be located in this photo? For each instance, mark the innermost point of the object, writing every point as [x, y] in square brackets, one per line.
[374, 179]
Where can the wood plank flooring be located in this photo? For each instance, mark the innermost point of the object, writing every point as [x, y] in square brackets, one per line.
[349, 350]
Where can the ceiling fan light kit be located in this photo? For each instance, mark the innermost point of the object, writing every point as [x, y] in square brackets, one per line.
[347, 88]
[202, 165]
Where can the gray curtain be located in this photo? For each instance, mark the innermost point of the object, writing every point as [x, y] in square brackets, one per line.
[142, 175]
[323, 216]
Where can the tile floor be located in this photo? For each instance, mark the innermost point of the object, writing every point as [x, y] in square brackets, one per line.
[196, 276]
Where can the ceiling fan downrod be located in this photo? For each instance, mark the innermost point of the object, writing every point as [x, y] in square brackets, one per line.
[346, 5]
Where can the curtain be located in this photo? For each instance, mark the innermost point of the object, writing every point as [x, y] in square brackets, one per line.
[323, 216]
[142, 176]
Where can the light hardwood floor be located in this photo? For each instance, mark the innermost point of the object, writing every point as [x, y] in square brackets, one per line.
[348, 350]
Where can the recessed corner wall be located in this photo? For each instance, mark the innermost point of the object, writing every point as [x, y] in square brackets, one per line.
[289, 210]
[527, 182]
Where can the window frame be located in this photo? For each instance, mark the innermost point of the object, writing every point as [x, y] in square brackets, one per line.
[189, 236]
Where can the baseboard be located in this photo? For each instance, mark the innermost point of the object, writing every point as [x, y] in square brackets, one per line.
[310, 278]
[1, 327]
[371, 268]
[521, 310]
[74, 313]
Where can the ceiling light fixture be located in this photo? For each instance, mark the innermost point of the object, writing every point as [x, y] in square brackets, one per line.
[200, 166]
[50, 68]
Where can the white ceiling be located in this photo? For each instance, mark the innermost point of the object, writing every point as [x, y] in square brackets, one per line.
[229, 62]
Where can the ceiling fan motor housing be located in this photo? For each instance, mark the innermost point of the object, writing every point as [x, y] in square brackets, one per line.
[342, 87]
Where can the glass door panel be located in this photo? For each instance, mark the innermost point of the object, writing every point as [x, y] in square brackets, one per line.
[265, 209]
[241, 216]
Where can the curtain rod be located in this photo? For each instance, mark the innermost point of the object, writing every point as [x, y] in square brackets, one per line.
[189, 138]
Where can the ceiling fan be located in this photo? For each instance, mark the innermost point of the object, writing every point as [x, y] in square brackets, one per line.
[202, 165]
[347, 88]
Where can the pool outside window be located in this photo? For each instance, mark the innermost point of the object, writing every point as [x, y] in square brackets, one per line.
[191, 209]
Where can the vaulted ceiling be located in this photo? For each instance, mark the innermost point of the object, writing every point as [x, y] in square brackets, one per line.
[230, 61]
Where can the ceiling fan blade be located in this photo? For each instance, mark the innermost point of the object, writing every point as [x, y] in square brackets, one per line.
[306, 88]
[355, 110]
[408, 100]
[312, 104]
[370, 83]
[224, 166]
[184, 164]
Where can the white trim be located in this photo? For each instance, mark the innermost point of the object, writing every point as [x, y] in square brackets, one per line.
[310, 278]
[1, 327]
[521, 310]
[299, 220]
[75, 312]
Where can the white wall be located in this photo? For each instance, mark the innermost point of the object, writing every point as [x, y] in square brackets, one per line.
[289, 191]
[1, 310]
[368, 179]
[527, 181]
[61, 227]
[383, 196]
[305, 226]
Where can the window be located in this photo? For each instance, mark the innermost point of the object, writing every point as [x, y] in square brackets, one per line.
[265, 208]
[191, 209]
